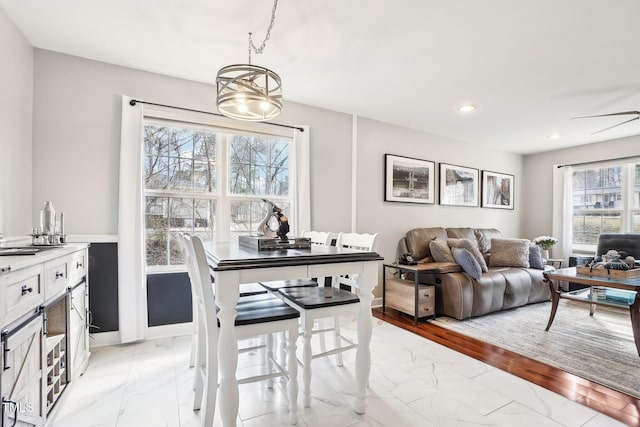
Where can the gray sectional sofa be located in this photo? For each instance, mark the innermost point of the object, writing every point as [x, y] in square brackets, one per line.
[460, 296]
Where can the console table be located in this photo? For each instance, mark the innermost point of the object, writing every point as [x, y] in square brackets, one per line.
[622, 293]
[232, 265]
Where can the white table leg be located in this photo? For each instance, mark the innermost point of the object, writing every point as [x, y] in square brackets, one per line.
[307, 324]
[292, 386]
[227, 293]
[366, 281]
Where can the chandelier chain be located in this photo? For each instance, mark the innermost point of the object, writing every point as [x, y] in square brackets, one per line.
[258, 50]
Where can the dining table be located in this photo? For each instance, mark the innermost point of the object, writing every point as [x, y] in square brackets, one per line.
[232, 264]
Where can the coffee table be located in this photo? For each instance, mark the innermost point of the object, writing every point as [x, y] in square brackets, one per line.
[616, 292]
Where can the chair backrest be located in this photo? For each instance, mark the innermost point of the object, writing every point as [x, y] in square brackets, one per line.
[358, 241]
[361, 242]
[318, 237]
[201, 286]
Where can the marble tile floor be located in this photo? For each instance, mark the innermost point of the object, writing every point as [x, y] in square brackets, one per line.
[413, 382]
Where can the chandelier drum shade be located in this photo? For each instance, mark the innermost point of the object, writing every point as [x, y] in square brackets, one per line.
[249, 92]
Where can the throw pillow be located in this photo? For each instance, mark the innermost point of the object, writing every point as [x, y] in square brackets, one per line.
[440, 251]
[509, 253]
[467, 261]
[484, 236]
[471, 247]
[535, 257]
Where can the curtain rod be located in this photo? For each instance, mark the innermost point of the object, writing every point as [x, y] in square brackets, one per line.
[599, 161]
[135, 101]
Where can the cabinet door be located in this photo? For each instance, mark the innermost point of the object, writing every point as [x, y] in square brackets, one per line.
[21, 384]
[78, 330]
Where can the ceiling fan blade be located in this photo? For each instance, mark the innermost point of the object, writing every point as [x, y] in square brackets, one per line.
[610, 127]
[623, 113]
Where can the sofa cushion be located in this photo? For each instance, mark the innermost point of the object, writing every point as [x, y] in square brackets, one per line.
[467, 261]
[509, 253]
[462, 233]
[484, 236]
[469, 245]
[535, 257]
[418, 240]
[440, 251]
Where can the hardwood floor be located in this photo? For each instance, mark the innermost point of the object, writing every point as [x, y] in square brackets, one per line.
[620, 406]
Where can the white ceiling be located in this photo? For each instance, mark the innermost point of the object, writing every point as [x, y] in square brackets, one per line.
[529, 65]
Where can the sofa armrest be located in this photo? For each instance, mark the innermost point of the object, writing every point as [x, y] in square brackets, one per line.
[445, 267]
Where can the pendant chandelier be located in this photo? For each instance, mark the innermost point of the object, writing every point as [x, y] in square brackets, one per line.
[247, 91]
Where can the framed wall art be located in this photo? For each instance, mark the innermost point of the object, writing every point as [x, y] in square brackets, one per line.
[409, 180]
[459, 185]
[497, 190]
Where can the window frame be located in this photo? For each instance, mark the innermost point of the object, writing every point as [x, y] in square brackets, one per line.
[626, 210]
[223, 199]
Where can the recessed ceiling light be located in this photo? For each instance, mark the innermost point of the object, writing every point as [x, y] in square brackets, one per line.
[467, 108]
[554, 136]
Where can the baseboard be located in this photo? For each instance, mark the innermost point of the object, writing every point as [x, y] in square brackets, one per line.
[167, 331]
[376, 302]
[102, 339]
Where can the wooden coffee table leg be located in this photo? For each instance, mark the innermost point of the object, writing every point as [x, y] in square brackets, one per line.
[635, 320]
[555, 297]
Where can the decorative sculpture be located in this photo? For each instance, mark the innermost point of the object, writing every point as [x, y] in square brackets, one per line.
[283, 222]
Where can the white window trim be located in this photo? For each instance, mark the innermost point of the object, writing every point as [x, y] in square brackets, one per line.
[563, 206]
[132, 302]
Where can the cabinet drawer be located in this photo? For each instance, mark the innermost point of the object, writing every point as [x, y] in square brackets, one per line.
[56, 278]
[24, 292]
[406, 289]
[77, 267]
[400, 294]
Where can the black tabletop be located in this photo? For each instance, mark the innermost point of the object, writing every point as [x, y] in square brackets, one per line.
[230, 256]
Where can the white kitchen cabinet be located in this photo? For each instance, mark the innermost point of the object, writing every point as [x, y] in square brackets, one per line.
[44, 314]
[21, 383]
[79, 320]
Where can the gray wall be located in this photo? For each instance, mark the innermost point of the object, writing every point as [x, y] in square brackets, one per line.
[536, 218]
[392, 220]
[76, 139]
[16, 104]
[76, 142]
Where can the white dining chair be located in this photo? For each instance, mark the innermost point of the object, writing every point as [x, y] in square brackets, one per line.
[256, 315]
[327, 302]
[319, 238]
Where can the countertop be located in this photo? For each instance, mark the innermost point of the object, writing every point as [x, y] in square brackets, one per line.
[15, 262]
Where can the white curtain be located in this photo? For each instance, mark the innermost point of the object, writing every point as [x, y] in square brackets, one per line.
[301, 210]
[562, 212]
[132, 301]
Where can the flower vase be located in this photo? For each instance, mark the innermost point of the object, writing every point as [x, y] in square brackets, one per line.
[545, 254]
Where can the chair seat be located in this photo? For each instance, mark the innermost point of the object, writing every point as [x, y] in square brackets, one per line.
[262, 308]
[319, 297]
[281, 284]
[247, 289]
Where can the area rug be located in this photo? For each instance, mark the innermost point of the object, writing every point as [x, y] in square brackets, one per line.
[598, 348]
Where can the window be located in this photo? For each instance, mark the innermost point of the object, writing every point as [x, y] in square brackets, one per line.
[605, 199]
[209, 182]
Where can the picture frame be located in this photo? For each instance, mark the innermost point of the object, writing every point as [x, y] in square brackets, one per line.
[409, 180]
[497, 190]
[459, 185]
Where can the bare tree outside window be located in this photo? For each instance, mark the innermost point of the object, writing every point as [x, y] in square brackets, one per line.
[181, 194]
